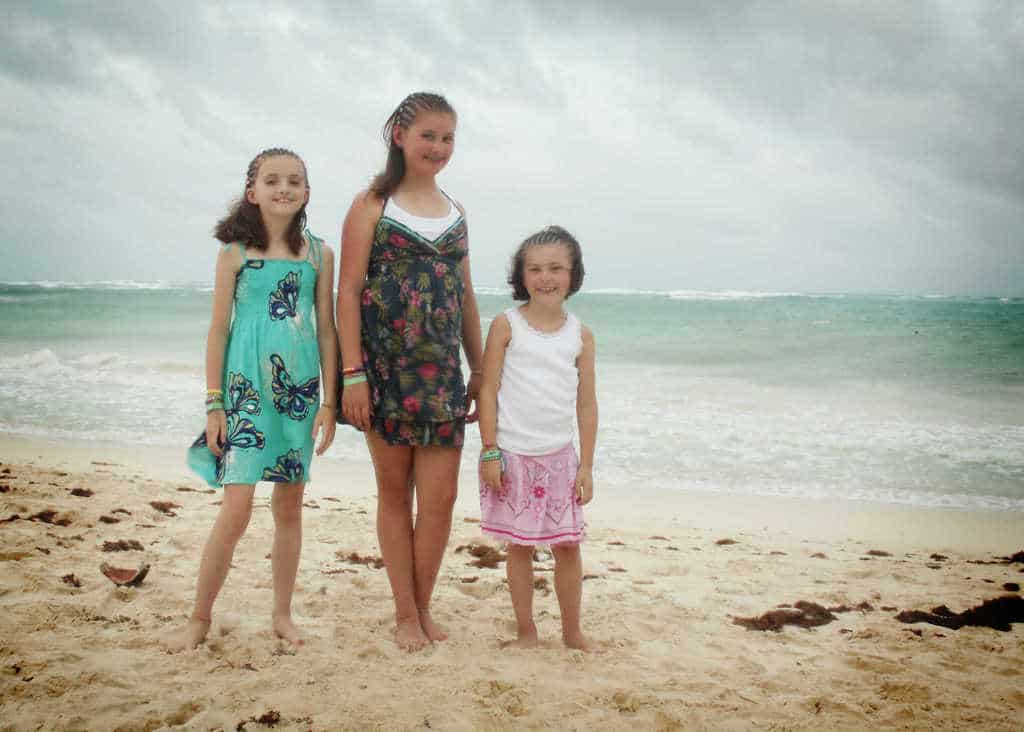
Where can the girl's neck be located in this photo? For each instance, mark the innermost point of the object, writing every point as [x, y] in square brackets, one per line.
[277, 230]
[543, 317]
[413, 185]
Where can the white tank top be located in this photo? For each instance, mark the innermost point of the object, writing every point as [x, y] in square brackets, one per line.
[427, 227]
[537, 396]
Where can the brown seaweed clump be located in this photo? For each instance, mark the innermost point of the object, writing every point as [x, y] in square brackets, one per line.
[998, 613]
[803, 614]
[357, 558]
[122, 545]
[487, 557]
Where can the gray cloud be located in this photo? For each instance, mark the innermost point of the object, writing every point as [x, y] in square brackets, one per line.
[773, 146]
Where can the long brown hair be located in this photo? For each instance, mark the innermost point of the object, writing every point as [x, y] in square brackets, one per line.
[244, 225]
[547, 235]
[386, 181]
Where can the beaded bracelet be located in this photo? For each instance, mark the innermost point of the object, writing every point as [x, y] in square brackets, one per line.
[210, 392]
[214, 406]
[352, 370]
[490, 455]
[353, 380]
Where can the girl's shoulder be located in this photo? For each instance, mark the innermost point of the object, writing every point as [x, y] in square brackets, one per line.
[233, 254]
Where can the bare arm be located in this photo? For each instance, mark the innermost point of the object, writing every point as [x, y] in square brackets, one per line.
[498, 338]
[327, 342]
[356, 243]
[229, 262]
[471, 338]
[586, 416]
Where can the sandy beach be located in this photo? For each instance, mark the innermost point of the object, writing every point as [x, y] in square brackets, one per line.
[666, 580]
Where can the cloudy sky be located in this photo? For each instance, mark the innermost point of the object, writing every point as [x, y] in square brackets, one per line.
[775, 146]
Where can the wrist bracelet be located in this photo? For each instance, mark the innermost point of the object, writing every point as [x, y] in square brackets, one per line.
[353, 370]
[353, 380]
[490, 455]
[327, 406]
[214, 406]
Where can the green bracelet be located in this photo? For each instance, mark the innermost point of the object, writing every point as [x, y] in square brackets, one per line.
[353, 380]
[214, 406]
[490, 455]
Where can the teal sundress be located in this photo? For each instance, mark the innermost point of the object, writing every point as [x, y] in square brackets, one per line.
[411, 318]
[271, 376]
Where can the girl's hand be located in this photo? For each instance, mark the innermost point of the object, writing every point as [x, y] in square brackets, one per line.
[492, 474]
[355, 405]
[324, 420]
[216, 431]
[472, 392]
[584, 485]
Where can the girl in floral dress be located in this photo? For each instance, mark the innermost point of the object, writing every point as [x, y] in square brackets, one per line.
[405, 308]
[538, 381]
[263, 373]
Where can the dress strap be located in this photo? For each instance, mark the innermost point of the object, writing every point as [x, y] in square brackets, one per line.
[315, 253]
[241, 250]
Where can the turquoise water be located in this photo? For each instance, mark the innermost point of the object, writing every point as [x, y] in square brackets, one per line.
[885, 398]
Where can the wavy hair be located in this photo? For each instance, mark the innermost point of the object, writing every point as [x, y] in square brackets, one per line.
[244, 224]
[386, 181]
[547, 235]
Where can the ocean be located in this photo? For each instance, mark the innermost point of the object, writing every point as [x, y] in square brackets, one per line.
[893, 399]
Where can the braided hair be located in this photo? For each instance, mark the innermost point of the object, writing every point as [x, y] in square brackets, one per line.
[547, 235]
[244, 225]
[385, 182]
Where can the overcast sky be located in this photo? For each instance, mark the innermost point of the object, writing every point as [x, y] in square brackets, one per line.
[777, 146]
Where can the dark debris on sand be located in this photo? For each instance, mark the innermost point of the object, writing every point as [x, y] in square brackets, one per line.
[82, 492]
[1011, 587]
[802, 614]
[487, 557]
[269, 718]
[122, 545]
[998, 613]
[165, 507]
[357, 558]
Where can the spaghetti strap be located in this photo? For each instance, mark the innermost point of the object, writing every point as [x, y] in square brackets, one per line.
[241, 250]
[315, 253]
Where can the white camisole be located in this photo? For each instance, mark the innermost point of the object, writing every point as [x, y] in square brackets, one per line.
[427, 227]
[537, 396]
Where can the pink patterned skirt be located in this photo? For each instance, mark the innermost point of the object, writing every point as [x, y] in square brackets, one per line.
[536, 504]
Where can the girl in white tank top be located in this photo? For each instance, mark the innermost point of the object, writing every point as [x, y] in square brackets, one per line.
[537, 392]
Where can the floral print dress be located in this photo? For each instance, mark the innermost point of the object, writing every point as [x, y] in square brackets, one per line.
[411, 334]
[271, 377]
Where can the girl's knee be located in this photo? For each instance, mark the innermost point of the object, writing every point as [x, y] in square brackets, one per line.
[286, 503]
[565, 552]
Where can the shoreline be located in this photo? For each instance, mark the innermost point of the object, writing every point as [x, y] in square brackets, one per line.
[904, 526]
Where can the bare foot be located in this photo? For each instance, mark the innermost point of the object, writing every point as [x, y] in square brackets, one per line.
[410, 636]
[580, 642]
[432, 630]
[285, 629]
[189, 638]
[525, 638]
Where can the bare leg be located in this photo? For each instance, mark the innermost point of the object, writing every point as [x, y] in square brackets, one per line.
[392, 465]
[436, 471]
[519, 570]
[286, 505]
[569, 589]
[233, 518]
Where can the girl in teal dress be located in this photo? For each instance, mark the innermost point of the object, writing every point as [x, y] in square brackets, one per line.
[406, 308]
[263, 373]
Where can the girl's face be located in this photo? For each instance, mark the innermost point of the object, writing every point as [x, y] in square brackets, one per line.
[428, 143]
[280, 187]
[547, 272]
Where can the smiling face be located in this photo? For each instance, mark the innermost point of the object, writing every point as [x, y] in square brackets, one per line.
[428, 143]
[280, 187]
[547, 272]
